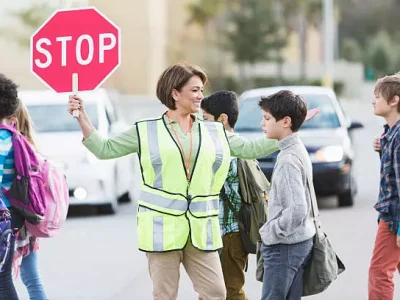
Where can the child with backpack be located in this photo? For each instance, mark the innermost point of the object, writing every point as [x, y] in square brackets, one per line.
[288, 234]
[8, 105]
[25, 256]
[241, 213]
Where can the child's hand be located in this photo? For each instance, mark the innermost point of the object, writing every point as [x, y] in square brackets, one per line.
[377, 144]
[312, 113]
[398, 241]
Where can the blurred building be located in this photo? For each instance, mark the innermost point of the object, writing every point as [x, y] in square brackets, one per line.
[155, 33]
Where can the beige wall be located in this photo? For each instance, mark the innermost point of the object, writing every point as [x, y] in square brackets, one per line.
[186, 42]
[15, 64]
[143, 30]
[314, 47]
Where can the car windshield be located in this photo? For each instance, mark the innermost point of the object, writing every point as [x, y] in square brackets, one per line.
[250, 114]
[55, 118]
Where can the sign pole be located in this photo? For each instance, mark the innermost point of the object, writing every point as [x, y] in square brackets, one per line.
[75, 80]
[75, 89]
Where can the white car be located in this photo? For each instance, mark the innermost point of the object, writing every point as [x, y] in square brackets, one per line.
[91, 181]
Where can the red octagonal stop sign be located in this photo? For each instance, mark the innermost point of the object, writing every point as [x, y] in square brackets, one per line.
[81, 41]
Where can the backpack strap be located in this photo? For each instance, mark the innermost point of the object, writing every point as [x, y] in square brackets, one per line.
[12, 129]
[228, 204]
[314, 204]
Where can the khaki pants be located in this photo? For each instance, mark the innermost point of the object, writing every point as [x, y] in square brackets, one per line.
[203, 268]
[234, 258]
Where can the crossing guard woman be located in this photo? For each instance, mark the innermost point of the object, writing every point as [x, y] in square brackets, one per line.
[184, 163]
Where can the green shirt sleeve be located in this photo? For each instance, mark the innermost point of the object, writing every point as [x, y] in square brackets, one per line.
[251, 149]
[120, 145]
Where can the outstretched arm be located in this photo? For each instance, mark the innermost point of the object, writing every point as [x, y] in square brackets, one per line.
[120, 145]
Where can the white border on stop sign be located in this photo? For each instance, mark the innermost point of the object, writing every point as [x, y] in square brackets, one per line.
[75, 9]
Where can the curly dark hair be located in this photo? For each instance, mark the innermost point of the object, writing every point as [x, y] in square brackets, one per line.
[8, 97]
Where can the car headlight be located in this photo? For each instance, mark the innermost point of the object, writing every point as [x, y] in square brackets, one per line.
[80, 193]
[328, 154]
[90, 158]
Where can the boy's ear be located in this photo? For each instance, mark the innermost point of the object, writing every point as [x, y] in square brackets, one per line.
[395, 100]
[223, 118]
[287, 122]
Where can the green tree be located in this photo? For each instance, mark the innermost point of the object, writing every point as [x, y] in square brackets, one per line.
[255, 33]
[351, 50]
[205, 14]
[203, 11]
[362, 19]
[298, 15]
[379, 55]
[30, 18]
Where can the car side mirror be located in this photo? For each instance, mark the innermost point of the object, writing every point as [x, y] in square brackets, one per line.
[355, 125]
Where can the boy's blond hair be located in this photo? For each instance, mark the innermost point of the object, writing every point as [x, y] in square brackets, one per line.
[388, 87]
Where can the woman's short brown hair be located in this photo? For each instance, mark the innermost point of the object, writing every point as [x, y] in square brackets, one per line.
[176, 77]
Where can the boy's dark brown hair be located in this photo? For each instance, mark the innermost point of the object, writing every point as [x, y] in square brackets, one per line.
[176, 77]
[388, 87]
[222, 102]
[285, 104]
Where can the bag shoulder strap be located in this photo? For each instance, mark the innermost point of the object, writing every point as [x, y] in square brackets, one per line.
[226, 200]
[314, 204]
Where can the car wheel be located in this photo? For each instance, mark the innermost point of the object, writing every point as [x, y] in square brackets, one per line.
[347, 198]
[125, 198]
[109, 208]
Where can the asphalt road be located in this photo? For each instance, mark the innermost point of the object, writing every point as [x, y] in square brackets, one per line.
[96, 257]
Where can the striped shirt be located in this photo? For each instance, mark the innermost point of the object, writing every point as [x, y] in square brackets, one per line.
[6, 163]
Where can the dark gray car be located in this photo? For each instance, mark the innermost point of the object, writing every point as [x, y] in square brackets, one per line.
[326, 137]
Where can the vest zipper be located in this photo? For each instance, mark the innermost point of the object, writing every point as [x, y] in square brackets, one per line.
[188, 197]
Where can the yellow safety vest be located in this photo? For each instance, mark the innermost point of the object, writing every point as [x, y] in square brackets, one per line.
[170, 206]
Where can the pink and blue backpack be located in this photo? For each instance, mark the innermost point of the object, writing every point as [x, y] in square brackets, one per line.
[39, 190]
[56, 198]
[27, 191]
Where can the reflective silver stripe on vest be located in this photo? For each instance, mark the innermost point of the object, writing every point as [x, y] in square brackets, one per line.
[210, 244]
[152, 134]
[160, 201]
[143, 209]
[219, 149]
[158, 230]
[204, 206]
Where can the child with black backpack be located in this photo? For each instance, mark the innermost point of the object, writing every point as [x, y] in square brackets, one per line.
[8, 105]
[242, 200]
